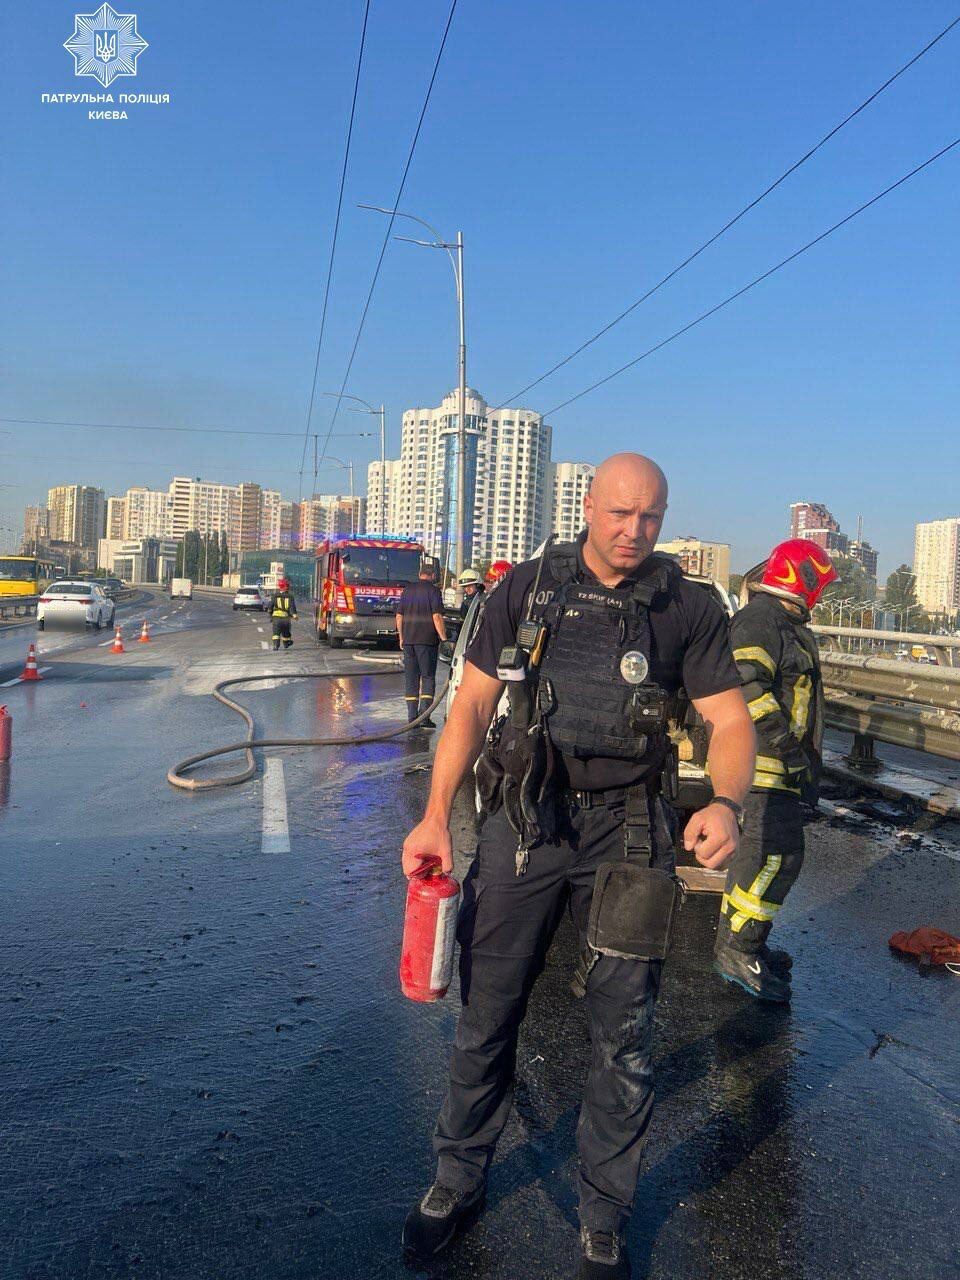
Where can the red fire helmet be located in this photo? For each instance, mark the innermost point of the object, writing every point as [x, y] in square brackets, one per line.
[798, 570]
[283, 584]
[497, 572]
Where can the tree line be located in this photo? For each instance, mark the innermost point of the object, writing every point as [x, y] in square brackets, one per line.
[203, 558]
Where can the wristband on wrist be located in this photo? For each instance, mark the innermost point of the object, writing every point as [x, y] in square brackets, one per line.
[735, 809]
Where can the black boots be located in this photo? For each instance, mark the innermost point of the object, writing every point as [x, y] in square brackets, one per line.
[754, 972]
[434, 1222]
[604, 1256]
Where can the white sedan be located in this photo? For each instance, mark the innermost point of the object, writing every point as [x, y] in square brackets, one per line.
[251, 598]
[75, 602]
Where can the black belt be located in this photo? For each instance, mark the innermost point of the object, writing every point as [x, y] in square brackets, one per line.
[613, 795]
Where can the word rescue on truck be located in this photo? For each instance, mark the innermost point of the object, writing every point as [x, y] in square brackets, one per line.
[577, 679]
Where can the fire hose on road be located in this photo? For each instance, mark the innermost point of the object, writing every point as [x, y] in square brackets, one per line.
[250, 743]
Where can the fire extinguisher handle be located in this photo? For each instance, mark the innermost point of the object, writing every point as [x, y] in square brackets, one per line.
[428, 868]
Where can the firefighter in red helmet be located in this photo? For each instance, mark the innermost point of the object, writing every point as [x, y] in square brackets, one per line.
[776, 655]
[283, 608]
[496, 573]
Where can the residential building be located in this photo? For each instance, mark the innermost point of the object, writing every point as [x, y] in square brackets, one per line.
[507, 488]
[148, 513]
[383, 496]
[700, 559]
[116, 518]
[936, 564]
[866, 556]
[569, 484]
[813, 521]
[249, 517]
[328, 515]
[78, 514]
[36, 529]
[289, 525]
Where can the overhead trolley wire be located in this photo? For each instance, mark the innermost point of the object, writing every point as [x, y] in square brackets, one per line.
[386, 237]
[133, 426]
[333, 243]
[753, 283]
[515, 397]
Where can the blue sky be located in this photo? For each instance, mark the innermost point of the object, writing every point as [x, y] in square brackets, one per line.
[169, 268]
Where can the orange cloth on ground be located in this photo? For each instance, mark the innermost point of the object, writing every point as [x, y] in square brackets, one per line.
[942, 948]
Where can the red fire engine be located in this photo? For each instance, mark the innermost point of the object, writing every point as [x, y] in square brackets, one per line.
[358, 585]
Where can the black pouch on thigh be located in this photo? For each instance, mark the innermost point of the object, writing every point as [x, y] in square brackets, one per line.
[633, 911]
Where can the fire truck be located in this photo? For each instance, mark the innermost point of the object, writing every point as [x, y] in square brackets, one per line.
[357, 586]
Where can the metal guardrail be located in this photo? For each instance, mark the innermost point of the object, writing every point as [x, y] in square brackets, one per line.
[946, 649]
[18, 606]
[903, 703]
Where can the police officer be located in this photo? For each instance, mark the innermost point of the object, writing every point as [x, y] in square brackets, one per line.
[777, 657]
[472, 586]
[283, 607]
[420, 629]
[590, 640]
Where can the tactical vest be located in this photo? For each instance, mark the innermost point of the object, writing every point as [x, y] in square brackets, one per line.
[281, 607]
[589, 707]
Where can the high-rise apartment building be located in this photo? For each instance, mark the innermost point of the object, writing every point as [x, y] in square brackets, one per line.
[865, 555]
[813, 521]
[936, 563]
[116, 517]
[700, 559]
[149, 513]
[569, 485]
[508, 497]
[328, 515]
[78, 514]
[246, 513]
[36, 529]
[383, 496]
[249, 517]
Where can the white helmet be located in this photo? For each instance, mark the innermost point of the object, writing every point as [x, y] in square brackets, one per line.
[469, 578]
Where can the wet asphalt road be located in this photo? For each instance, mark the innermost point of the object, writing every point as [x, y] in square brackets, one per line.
[208, 1071]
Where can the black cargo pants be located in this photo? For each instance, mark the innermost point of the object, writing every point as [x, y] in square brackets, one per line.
[419, 676]
[281, 630]
[506, 925]
[763, 870]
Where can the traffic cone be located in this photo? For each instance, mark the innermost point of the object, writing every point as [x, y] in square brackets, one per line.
[117, 646]
[30, 671]
[144, 637]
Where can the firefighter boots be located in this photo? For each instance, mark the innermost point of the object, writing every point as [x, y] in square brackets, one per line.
[604, 1256]
[432, 1224]
[751, 972]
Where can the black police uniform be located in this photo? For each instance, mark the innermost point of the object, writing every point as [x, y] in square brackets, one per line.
[779, 665]
[512, 905]
[283, 607]
[421, 644]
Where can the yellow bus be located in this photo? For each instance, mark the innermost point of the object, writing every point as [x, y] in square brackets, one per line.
[24, 575]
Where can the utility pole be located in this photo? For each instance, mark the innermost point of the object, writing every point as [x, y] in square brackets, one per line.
[383, 471]
[461, 426]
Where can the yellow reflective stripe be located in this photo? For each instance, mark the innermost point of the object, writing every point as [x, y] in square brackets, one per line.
[764, 782]
[750, 903]
[764, 877]
[770, 764]
[800, 714]
[753, 910]
[754, 653]
[765, 705]
[737, 921]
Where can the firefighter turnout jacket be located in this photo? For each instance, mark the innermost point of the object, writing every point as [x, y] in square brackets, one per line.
[283, 605]
[776, 655]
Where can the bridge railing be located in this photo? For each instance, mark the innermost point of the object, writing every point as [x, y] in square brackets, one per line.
[906, 704]
[18, 606]
[946, 649]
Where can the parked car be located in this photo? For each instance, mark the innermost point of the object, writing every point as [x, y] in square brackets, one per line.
[75, 602]
[251, 598]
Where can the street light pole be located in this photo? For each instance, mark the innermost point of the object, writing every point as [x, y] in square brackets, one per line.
[461, 478]
[383, 445]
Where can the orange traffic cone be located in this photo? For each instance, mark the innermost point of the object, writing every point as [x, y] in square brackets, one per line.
[30, 671]
[117, 646]
[144, 637]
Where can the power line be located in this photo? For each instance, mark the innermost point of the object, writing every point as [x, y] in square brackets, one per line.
[333, 244]
[392, 219]
[132, 426]
[753, 283]
[515, 397]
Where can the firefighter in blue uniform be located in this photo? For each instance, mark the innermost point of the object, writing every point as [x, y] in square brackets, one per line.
[778, 660]
[590, 640]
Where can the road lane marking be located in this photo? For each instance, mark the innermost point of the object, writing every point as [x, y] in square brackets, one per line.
[264, 644]
[260, 629]
[276, 832]
[8, 684]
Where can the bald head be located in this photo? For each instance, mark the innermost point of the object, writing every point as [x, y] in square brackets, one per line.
[624, 511]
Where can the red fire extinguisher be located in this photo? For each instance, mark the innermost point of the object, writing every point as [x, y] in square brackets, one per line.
[429, 932]
[6, 734]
